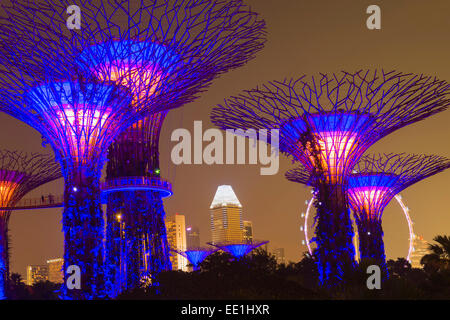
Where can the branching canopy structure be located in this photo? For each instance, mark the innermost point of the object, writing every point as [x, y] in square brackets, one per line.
[196, 255]
[377, 179]
[239, 249]
[82, 87]
[327, 123]
[19, 174]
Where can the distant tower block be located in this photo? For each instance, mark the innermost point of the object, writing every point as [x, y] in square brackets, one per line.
[176, 236]
[326, 123]
[248, 230]
[193, 237]
[226, 216]
[279, 255]
[420, 249]
[377, 179]
[19, 174]
[36, 273]
[56, 270]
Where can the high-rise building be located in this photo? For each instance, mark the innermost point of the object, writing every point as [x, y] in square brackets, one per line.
[226, 216]
[176, 236]
[55, 270]
[248, 231]
[279, 255]
[36, 273]
[420, 249]
[192, 237]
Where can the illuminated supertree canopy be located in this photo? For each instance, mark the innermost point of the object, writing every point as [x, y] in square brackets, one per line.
[163, 52]
[377, 179]
[19, 174]
[195, 256]
[326, 124]
[239, 249]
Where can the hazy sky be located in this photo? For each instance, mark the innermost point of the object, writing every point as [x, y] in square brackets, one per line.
[304, 37]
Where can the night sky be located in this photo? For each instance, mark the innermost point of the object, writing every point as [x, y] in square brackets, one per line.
[304, 37]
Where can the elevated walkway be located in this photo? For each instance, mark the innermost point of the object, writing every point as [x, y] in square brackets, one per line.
[108, 186]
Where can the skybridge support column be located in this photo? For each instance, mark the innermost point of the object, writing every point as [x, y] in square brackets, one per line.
[334, 235]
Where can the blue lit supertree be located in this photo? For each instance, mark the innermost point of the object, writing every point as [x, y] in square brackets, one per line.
[219, 36]
[163, 52]
[326, 124]
[196, 255]
[19, 174]
[375, 181]
[239, 249]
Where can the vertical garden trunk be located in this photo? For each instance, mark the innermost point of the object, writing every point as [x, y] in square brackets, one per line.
[371, 244]
[137, 248]
[4, 255]
[83, 234]
[334, 235]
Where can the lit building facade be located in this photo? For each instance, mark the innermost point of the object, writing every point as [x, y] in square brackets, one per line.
[420, 249]
[192, 237]
[279, 255]
[55, 270]
[226, 216]
[36, 273]
[248, 230]
[176, 236]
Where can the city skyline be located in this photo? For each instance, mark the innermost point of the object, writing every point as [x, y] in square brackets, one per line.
[273, 204]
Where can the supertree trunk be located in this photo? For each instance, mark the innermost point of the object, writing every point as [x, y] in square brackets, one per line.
[83, 234]
[371, 244]
[137, 247]
[4, 256]
[334, 235]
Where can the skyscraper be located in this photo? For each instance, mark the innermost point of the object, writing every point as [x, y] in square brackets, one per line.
[248, 230]
[420, 249]
[176, 236]
[192, 237]
[55, 270]
[36, 273]
[279, 255]
[226, 216]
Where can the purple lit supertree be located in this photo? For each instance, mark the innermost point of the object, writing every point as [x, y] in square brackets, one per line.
[239, 249]
[377, 179]
[135, 153]
[19, 174]
[163, 52]
[196, 255]
[326, 124]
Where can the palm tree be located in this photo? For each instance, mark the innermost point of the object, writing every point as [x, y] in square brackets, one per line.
[439, 257]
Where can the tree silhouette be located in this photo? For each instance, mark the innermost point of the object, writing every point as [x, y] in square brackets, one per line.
[439, 257]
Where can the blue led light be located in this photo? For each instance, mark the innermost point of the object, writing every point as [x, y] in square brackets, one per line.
[372, 180]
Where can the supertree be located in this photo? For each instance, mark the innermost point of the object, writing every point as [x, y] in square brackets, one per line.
[239, 249]
[377, 179]
[19, 174]
[196, 255]
[326, 124]
[136, 152]
[163, 52]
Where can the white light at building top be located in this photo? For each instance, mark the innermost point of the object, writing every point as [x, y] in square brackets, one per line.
[225, 196]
